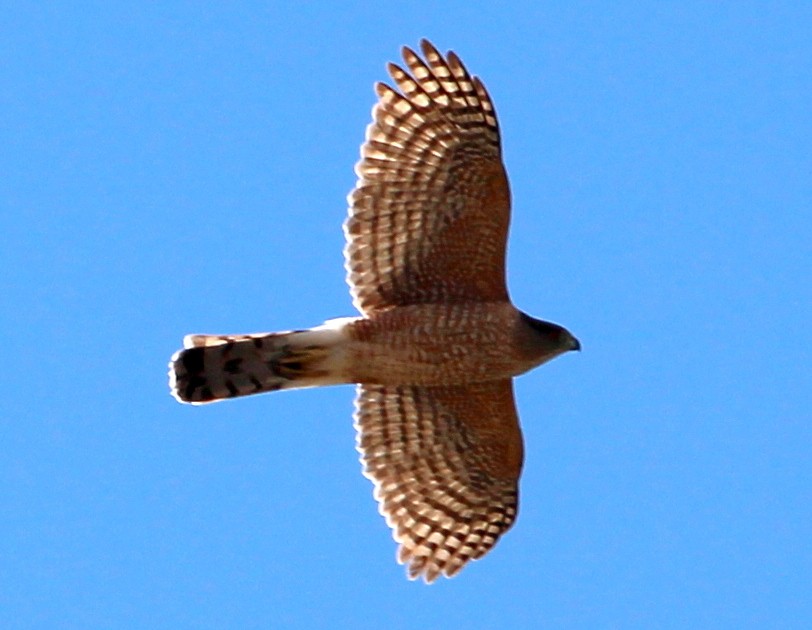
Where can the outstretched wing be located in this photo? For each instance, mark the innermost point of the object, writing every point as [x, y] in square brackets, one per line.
[429, 215]
[445, 462]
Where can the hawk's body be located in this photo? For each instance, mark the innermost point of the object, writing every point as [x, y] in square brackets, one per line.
[438, 341]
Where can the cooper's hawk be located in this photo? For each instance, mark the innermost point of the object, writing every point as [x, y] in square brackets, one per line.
[438, 341]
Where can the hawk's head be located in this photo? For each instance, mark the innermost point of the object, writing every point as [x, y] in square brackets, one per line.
[548, 340]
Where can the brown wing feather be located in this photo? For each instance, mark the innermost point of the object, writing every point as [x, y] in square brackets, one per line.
[445, 462]
[429, 215]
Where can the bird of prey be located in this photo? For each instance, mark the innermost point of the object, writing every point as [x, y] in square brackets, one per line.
[438, 341]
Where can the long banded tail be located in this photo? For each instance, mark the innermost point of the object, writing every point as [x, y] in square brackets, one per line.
[218, 367]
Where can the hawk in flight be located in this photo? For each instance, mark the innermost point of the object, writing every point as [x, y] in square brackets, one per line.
[438, 342]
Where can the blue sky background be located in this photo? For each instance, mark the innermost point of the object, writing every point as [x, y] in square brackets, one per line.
[170, 168]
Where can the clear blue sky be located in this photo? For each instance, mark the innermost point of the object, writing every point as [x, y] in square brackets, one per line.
[169, 168]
